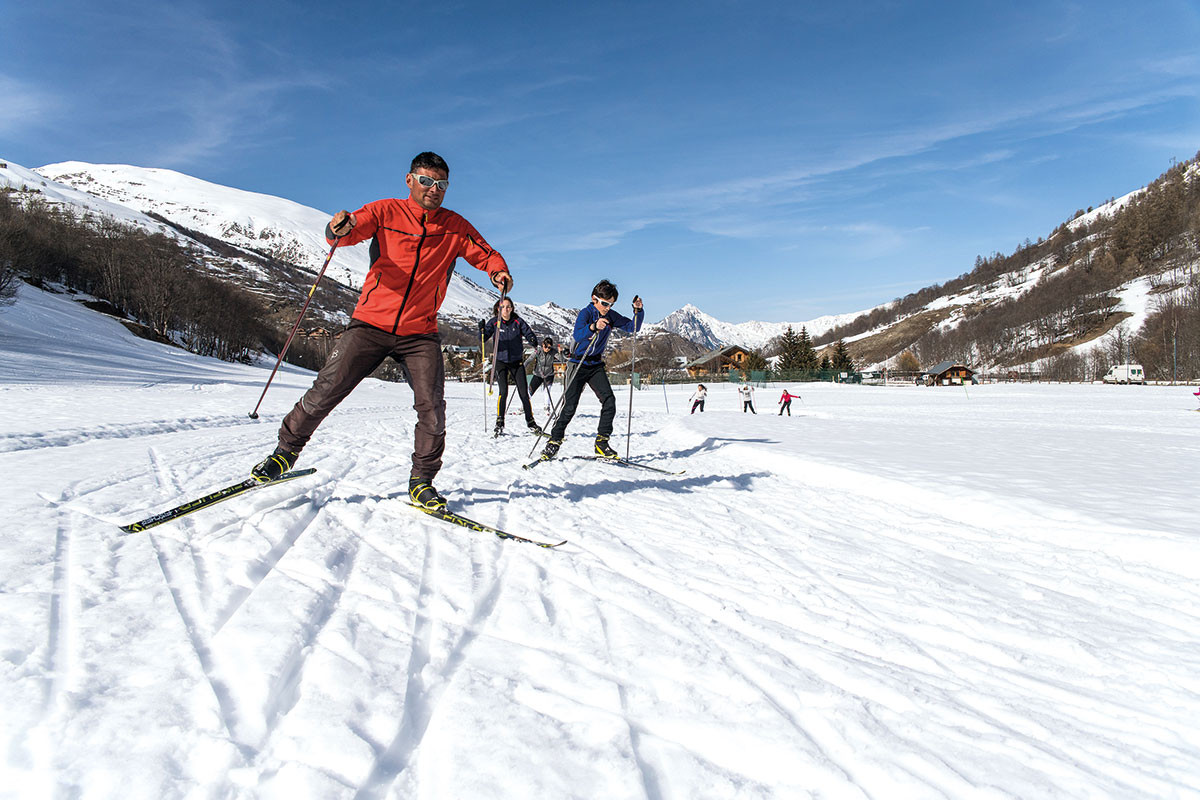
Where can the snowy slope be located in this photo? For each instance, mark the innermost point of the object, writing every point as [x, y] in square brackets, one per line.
[286, 230]
[823, 605]
[295, 233]
[14, 176]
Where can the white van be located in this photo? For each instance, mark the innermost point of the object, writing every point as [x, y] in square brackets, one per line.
[1125, 373]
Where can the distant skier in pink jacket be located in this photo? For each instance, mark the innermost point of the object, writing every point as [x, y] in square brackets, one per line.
[785, 402]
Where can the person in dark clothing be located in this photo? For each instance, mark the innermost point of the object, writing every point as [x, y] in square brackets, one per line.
[510, 359]
[543, 361]
[414, 246]
[592, 328]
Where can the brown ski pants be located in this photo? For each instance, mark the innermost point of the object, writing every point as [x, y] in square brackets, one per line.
[356, 353]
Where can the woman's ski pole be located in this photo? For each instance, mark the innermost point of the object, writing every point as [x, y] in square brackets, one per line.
[482, 353]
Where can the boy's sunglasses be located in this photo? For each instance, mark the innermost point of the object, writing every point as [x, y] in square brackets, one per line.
[429, 182]
[605, 303]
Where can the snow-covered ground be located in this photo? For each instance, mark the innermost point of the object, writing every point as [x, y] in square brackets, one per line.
[895, 593]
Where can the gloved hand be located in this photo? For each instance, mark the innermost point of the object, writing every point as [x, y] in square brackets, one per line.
[342, 223]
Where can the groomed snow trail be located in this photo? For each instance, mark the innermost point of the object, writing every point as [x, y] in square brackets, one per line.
[895, 593]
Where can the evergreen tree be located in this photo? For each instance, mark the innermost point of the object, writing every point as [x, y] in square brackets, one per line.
[790, 357]
[826, 364]
[841, 357]
[808, 355]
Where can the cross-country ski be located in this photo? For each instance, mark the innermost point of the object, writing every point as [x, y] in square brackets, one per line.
[219, 496]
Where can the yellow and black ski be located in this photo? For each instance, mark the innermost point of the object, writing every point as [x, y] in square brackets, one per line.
[192, 506]
[449, 516]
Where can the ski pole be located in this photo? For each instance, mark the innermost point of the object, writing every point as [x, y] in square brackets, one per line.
[568, 380]
[508, 403]
[482, 351]
[296, 327]
[632, 363]
[496, 337]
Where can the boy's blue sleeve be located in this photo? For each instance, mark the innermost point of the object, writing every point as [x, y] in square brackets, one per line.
[583, 324]
[624, 323]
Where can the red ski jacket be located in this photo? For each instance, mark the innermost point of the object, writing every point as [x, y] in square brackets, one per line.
[413, 252]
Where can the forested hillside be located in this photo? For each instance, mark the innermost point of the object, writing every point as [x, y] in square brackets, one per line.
[1062, 304]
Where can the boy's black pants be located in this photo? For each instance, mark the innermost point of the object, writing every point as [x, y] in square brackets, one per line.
[592, 375]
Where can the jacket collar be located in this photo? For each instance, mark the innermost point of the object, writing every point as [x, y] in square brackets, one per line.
[418, 211]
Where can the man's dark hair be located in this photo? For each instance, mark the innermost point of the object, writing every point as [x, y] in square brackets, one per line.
[430, 160]
[605, 290]
[548, 341]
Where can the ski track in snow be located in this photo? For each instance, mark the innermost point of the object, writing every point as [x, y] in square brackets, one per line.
[785, 619]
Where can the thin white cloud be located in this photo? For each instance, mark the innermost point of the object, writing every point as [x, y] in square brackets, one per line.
[26, 107]
[726, 207]
[186, 89]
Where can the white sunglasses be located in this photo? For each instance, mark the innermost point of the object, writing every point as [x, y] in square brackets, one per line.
[429, 182]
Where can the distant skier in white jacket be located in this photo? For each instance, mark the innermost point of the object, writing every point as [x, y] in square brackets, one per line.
[697, 398]
[747, 393]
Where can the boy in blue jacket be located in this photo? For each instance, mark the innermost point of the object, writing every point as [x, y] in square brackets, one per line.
[592, 328]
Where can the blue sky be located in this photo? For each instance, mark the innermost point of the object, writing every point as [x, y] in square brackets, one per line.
[771, 161]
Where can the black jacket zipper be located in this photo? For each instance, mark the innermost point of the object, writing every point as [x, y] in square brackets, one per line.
[413, 276]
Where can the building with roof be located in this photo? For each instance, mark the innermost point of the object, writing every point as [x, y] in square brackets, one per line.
[718, 362]
[948, 373]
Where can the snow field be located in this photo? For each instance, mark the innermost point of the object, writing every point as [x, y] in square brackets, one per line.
[897, 592]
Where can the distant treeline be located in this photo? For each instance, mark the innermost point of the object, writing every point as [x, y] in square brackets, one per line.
[1157, 234]
[149, 278]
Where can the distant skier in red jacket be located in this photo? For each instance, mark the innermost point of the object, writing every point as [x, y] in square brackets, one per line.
[785, 402]
[414, 245]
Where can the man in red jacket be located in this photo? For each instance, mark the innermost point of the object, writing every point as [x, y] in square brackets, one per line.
[414, 245]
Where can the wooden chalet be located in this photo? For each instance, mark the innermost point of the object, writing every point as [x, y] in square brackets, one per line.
[718, 362]
[949, 373]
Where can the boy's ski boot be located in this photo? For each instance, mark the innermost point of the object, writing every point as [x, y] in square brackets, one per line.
[424, 495]
[499, 431]
[602, 448]
[551, 449]
[274, 465]
[535, 429]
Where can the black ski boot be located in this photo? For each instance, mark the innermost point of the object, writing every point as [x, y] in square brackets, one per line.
[424, 495]
[551, 449]
[602, 448]
[499, 427]
[535, 429]
[274, 465]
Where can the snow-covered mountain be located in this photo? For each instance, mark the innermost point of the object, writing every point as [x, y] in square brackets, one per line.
[28, 181]
[708, 331]
[293, 233]
[272, 226]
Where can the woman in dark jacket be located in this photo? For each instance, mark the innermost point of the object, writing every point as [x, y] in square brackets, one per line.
[510, 358]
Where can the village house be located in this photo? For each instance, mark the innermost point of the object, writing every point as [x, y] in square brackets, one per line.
[718, 362]
[948, 373]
